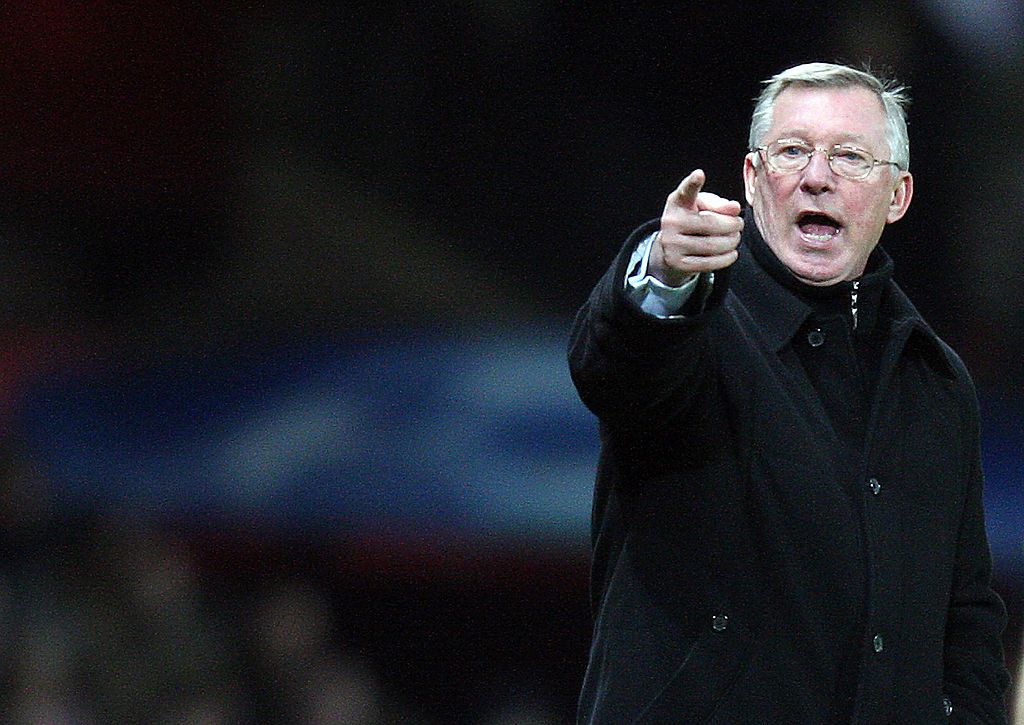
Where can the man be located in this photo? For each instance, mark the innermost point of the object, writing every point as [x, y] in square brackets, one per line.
[787, 522]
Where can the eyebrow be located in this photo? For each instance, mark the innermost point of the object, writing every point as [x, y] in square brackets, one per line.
[803, 135]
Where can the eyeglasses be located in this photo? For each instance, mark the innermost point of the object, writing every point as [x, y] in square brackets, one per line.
[789, 155]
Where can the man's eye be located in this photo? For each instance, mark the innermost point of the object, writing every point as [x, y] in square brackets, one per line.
[853, 156]
[792, 150]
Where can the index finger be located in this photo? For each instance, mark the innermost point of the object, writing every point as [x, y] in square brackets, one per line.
[686, 193]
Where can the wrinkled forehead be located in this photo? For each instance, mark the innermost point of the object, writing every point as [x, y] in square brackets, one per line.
[851, 114]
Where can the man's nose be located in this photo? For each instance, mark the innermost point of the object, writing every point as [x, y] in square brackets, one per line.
[818, 175]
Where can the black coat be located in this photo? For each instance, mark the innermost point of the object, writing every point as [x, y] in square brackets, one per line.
[745, 569]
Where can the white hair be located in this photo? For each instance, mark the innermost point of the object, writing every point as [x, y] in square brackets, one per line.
[894, 99]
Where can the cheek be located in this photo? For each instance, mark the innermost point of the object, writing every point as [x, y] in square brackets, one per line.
[875, 217]
[763, 192]
[774, 202]
[872, 207]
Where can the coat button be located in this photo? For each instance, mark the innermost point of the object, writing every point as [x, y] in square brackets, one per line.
[876, 487]
[719, 622]
[878, 643]
[816, 338]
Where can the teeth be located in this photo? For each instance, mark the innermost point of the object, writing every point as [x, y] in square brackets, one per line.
[818, 229]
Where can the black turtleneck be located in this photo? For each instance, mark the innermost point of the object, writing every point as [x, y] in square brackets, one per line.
[840, 343]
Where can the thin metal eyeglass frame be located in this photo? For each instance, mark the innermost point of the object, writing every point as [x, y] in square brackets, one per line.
[829, 155]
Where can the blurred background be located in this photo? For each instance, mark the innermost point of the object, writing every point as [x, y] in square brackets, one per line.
[284, 297]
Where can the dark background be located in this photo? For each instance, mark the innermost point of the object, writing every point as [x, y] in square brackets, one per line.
[284, 295]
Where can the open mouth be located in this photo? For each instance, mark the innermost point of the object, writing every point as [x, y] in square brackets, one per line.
[817, 226]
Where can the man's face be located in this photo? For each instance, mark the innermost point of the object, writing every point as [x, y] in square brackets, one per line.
[823, 226]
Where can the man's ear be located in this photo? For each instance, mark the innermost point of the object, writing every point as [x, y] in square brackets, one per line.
[901, 196]
[750, 176]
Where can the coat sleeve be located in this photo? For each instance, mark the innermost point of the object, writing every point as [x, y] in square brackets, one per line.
[976, 678]
[630, 367]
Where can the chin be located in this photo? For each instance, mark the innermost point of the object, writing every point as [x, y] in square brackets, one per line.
[817, 275]
[821, 282]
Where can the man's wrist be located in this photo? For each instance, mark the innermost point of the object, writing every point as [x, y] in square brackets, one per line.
[651, 294]
[666, 275]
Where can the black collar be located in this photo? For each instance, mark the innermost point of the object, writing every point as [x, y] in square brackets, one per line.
[831, 300]
[780, 304]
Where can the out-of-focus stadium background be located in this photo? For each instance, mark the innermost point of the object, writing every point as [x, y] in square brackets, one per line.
[285, 290]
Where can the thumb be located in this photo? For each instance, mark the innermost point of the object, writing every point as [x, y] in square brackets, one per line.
[715, 203]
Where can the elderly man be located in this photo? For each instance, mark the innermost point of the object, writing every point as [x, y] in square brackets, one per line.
[787, 522]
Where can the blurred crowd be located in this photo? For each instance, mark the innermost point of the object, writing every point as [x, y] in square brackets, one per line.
[113, 618]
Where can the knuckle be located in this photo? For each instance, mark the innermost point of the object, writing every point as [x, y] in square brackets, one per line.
[673, 216]
[697, 265]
